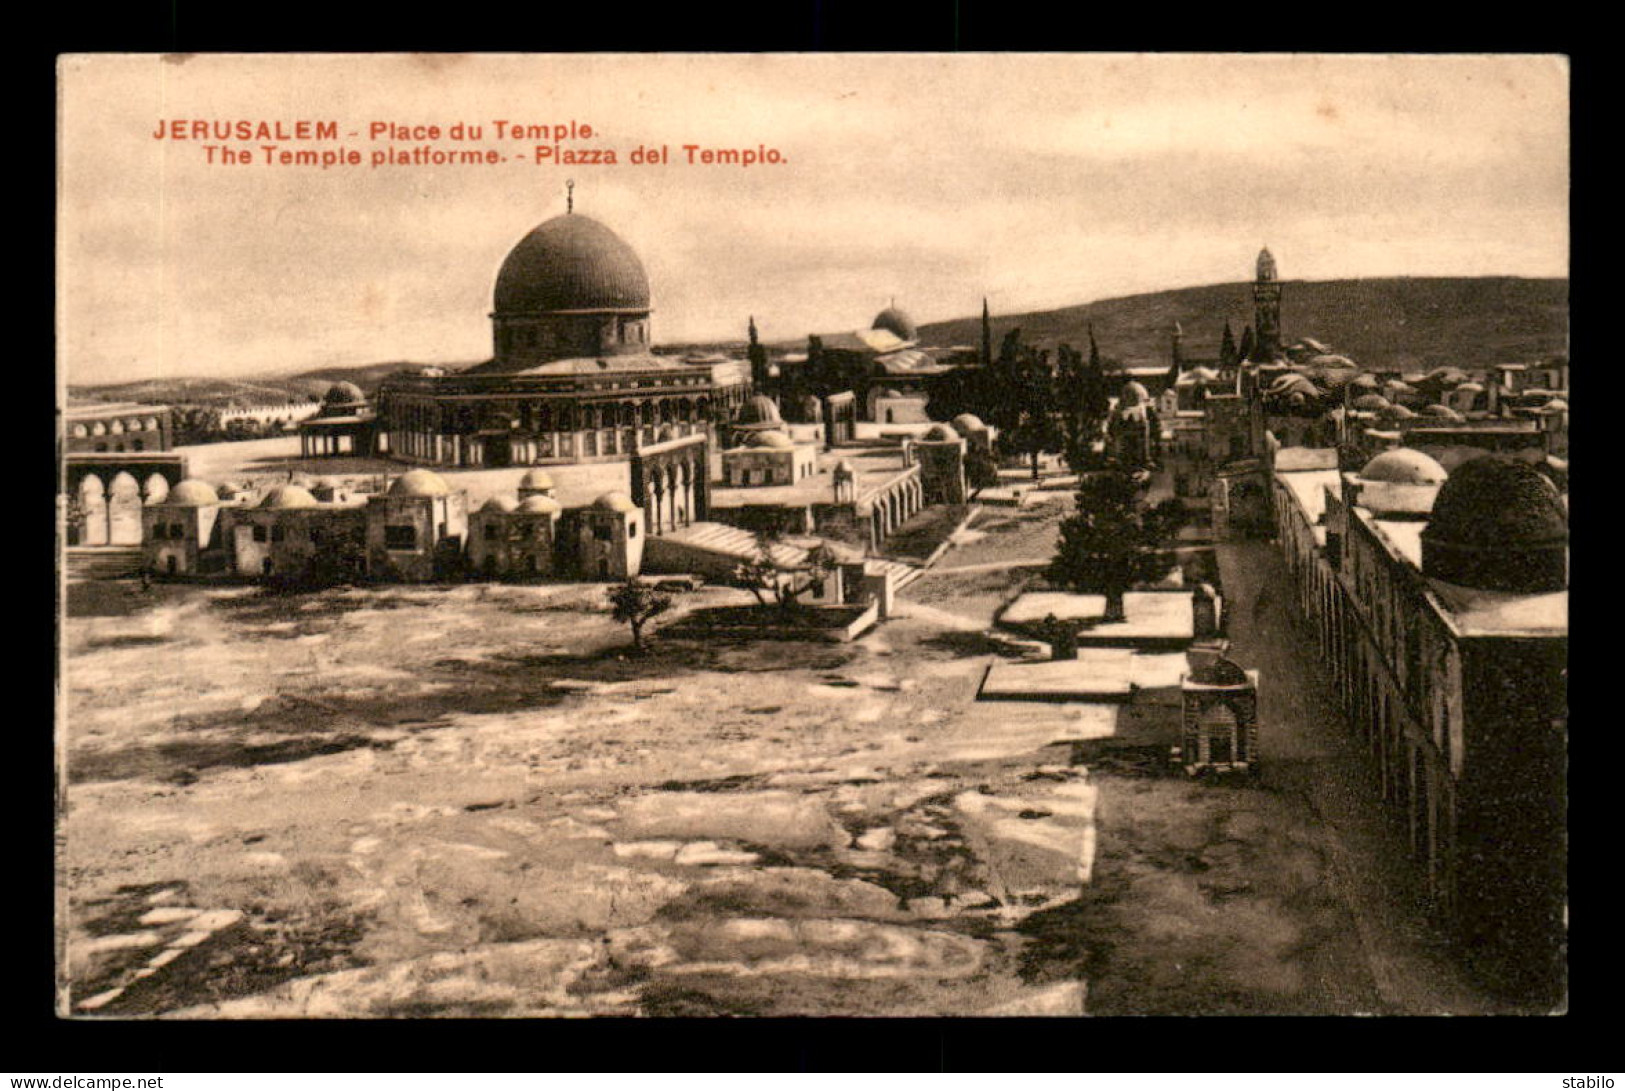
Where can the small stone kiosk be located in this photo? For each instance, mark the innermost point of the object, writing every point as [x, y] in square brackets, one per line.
[1220, 718]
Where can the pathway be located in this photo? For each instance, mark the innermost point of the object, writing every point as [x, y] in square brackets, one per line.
[1308, 753]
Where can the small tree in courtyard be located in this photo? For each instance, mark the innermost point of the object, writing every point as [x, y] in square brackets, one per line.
[1113, 541]
[634, 603]
[981, 471]
[762, 573]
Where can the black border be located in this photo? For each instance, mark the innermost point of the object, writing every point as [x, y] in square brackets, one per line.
[1577, 1042]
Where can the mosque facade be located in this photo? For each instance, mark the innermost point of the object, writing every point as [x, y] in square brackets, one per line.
[572, 377]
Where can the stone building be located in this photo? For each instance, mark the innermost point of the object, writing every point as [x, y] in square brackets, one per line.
[1440, 604]
[572, 377]
[416, 530]
[510, 539]
[344, 425]
[116, 457]
[768, 457]
[419, 529]
[118, 428]
[940, 454]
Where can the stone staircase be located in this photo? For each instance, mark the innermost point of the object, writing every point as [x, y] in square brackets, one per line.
[735, 543]
[103, 562]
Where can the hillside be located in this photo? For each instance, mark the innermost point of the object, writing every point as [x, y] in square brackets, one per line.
[265, 390]
[1404, 322]
[1401, 322]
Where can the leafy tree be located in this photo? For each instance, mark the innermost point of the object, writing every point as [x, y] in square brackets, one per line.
[981, 471]
[963, 390]
[634, 603]
[1248, 344]
[1024, 410]
[1113, 542]
[1083, 403]
[987, 337]
[762, 574]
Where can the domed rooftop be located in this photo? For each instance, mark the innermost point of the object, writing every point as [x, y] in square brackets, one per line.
[1404, 466]
[1397, 412]
[192, 493]
[1133, 394]
[1556, 405]
[776, 440]
[760, 409]
[896, 321]
[343, 393]
[1471, 387]
[288, 496]
[1330, 360]
[939, 433]
[966, 423]
[1498, 501]
[536, 479]
[1223, 671]
[1442, 412]
[571, 263]
[614, 501]
[1370, 403]
[545, 505]
[419, 483]
[499, 503]
[1498, 524]
[1365, 380]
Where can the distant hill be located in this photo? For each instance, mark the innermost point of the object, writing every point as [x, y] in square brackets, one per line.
[258, 391]
[1404, 322]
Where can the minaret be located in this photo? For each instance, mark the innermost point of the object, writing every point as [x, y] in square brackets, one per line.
[757, 354]
[1176, 335]
[1266, 310]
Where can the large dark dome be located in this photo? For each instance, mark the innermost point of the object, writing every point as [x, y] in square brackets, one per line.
[896, 322]
[1498, 524]
[571, 263]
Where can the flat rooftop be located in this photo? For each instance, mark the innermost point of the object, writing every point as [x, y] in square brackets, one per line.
[88, 410]
[873, 466]
[1163, 616]
[1308, 488]
[1098, 674]
[1474, 611]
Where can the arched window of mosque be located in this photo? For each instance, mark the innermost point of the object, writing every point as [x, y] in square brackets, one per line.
[80, 431]
[99, 429]
[151, 424]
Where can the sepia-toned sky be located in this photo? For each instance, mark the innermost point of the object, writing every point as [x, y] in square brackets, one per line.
[1037, 181]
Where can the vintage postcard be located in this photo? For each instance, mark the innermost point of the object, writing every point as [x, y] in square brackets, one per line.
[812, 535]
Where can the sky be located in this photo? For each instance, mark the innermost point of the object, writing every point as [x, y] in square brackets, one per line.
[1036, 181]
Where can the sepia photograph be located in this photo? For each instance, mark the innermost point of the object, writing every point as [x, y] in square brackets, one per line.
[715, 536]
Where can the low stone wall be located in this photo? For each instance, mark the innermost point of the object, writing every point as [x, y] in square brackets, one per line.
[858, 621]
